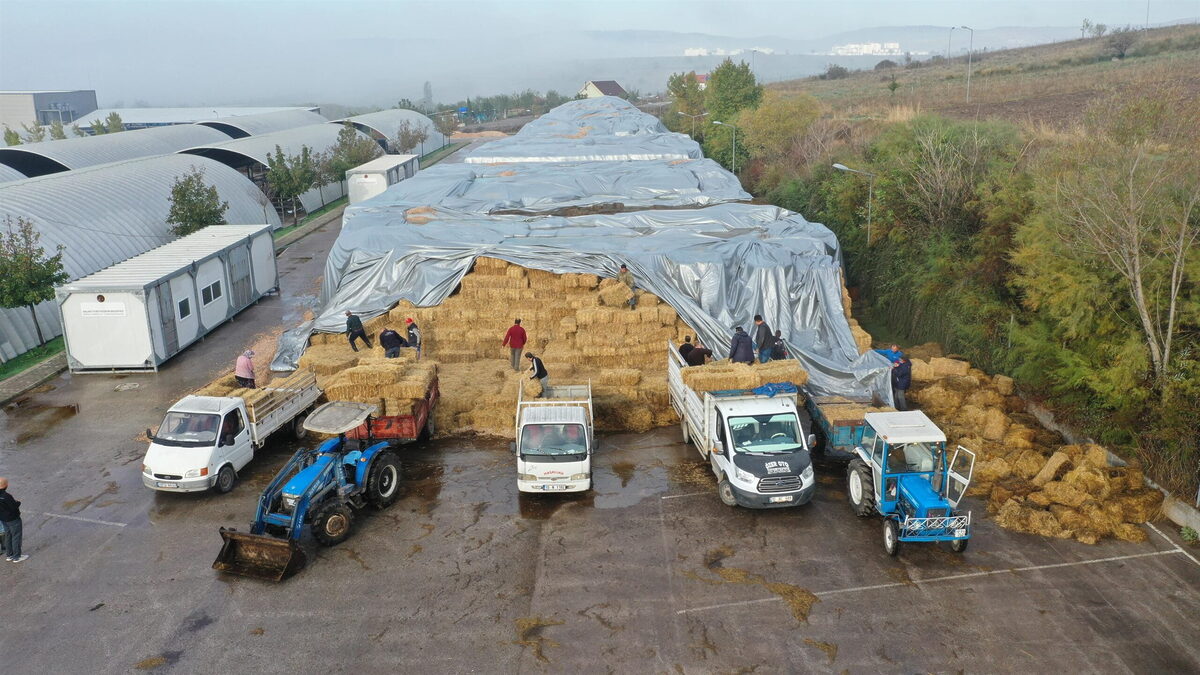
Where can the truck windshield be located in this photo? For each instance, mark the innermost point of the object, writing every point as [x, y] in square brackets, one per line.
[773, 433]
[912, 457]
[187, 430]
[553, 440]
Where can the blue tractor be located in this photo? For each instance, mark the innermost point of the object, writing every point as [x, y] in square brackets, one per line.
[324, 488]
[901, 471]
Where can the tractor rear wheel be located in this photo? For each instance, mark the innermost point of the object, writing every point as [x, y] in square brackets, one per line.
[860, 488]
[725, 492]
[331, 526]
[383, 481]
[959, 545]
[891, 537]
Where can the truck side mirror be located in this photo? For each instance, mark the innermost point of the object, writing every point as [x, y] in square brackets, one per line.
[149, 434]
[812, 441]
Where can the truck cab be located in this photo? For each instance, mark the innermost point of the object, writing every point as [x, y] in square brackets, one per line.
[760, 455]
[555, 439]
[202, 442]
[902, 471]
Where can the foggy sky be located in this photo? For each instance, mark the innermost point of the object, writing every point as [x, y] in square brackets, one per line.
[281, 52]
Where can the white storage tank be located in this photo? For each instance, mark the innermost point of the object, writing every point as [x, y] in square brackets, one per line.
[367, 180]
[141, 312]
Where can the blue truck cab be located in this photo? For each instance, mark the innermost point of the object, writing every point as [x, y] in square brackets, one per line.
[902, 472]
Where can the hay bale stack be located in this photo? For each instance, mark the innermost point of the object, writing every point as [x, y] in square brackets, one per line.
[723, 375]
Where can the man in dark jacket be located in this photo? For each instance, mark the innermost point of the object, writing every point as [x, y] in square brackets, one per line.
[391, 342]
[901, 379]
[741, 350]
[10, 515]
[778, 350]
[354, 331]
[414, 336]
[698, 354]
[686, 347]
[763, 338]
[537, 370]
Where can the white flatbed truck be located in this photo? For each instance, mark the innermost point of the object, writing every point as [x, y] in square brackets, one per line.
[205, 440]
[555, 438]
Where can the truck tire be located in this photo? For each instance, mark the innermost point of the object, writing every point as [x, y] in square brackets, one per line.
[331, 526]
[226, 477]
[684, 428]
[891, 537]
[298, 430]
[426, 433]
[959, 545]
[725, 492]
[860, 489]
[383, 480]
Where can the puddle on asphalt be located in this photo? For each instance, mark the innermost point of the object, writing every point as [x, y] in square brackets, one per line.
[541, 507]
[530, 634]
[624, 471]
[31, 421]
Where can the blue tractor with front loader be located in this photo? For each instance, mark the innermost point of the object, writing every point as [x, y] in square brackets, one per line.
[324, 488]
[901, 472]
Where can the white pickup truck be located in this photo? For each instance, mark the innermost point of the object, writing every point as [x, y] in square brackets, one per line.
[554, 440]
[205, 440]
[755, 444]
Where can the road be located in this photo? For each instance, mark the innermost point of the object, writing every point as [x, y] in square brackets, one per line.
[647, 573]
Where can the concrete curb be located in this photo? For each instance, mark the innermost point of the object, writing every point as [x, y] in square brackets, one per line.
[32, 377]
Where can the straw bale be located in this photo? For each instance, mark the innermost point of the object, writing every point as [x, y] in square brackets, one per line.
[990, 470]
[1006, 489]
[1054, 467]
[1027, 463]
[371, 375]
[1040, 498]
[483, 265]
[924, 351]
[665, 417]
[939, 399]
[619, 376]
[1127, 478]
[1019, 437]
[921, 372]
[995, 424]
[862, 339]
[1103, 520]
[943, 366]
[531, 388]
[1095, 456]
[615, 295]
[1129, 532]
[649, 300]
[1003, 384]
[515, 272]
[783, 370]
[218, 387]
[569, 324]
[1021, 518]
[1140, 506]
[964, 385]
[328, 359]
[1065, 493]
[1089, 480]
[985, 398]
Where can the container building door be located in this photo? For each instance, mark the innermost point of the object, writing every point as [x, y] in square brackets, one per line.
[239, 277]
[166, 317]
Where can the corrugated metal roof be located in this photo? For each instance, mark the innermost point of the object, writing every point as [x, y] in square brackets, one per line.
[105, 214]
[242, 151]
[177, 115]
[265, 123]
[168, 259]
[39, 159]
[8, 173]
[387, 124]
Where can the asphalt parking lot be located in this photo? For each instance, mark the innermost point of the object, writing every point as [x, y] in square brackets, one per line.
[649, 572]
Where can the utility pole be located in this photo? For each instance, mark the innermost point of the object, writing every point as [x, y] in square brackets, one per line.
[948, 38]
[970, 51]
[693, 120]
[733, 155]
[870, 193]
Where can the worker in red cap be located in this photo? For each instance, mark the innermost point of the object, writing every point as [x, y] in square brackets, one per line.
[414, 336]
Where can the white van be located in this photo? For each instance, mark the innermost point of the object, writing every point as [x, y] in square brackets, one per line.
[554, 440]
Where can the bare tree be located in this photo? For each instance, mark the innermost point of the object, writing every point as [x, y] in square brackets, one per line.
[1120, 40]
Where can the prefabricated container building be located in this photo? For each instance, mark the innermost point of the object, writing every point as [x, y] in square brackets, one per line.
[138, 313]
[372, 178]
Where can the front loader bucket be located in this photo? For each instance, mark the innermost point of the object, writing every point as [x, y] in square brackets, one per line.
[259, 556]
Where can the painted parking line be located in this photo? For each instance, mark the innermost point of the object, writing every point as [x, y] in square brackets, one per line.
[689, 494]
[1177, 547]
[952, 577]
[86, 520]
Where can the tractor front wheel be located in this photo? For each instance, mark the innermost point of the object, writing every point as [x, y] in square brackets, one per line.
[891, 537]
[383, 482]
[959, 545]
[331, 526]
[860, 488]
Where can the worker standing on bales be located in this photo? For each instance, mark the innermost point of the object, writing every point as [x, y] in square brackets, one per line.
[354, 331]
[243, 370]
[515, 339]
[741, 350]
[901, 380]
[763, 338]
[696, 355]
[391, 342]
[537, 371]
[686, 347]
[626, 277]
[892, 353]
[778, 351]
[414, 336]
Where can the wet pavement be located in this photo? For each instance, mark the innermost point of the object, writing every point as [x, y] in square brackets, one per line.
[648, 572]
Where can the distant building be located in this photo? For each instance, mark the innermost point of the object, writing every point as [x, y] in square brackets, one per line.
[143, 118]
[45, 107]
[868, 49]
[598, 88]
[695, 51]
[703, 80]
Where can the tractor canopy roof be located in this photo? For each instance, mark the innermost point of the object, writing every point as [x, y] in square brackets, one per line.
[905, 427]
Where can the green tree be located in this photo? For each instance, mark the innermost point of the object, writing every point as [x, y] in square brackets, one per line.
[98, 128]
[770, 130]
[57, 132]
[1120, 40]
[893, 85]
[352, 149]
[36, 133]
[113, 123]
[687, 105]
[194, 204]
[731, 88]
[77, 131]
[11, 137]
[27, 275]
[289, 176]
[446, 123]
[409, 137]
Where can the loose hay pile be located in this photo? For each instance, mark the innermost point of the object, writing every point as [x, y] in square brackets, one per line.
[1033, 482]
[579, 324]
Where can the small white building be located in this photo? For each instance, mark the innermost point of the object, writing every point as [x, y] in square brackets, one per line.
[138, 313]
[598, 88]
[367, 180]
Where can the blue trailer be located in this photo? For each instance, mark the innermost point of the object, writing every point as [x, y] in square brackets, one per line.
[838, 423]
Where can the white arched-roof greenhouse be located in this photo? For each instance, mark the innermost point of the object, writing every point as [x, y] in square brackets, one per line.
[246, 152]
[264, 123]
[105, 214]
[7, 173]
[385, 126]
[47, 157]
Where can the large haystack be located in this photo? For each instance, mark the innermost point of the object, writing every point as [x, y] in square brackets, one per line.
[1033, 482]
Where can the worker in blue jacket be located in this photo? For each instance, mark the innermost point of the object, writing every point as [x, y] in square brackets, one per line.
[892, 353]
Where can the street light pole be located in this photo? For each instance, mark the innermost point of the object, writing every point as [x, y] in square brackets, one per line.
[733, 155]
[948, 38]
[970, 51]
[870, 193]
[693, 120]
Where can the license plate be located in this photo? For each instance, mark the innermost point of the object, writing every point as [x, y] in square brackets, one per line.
[174, 485]
[960, 532]
[780, 500]
[554, 487]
